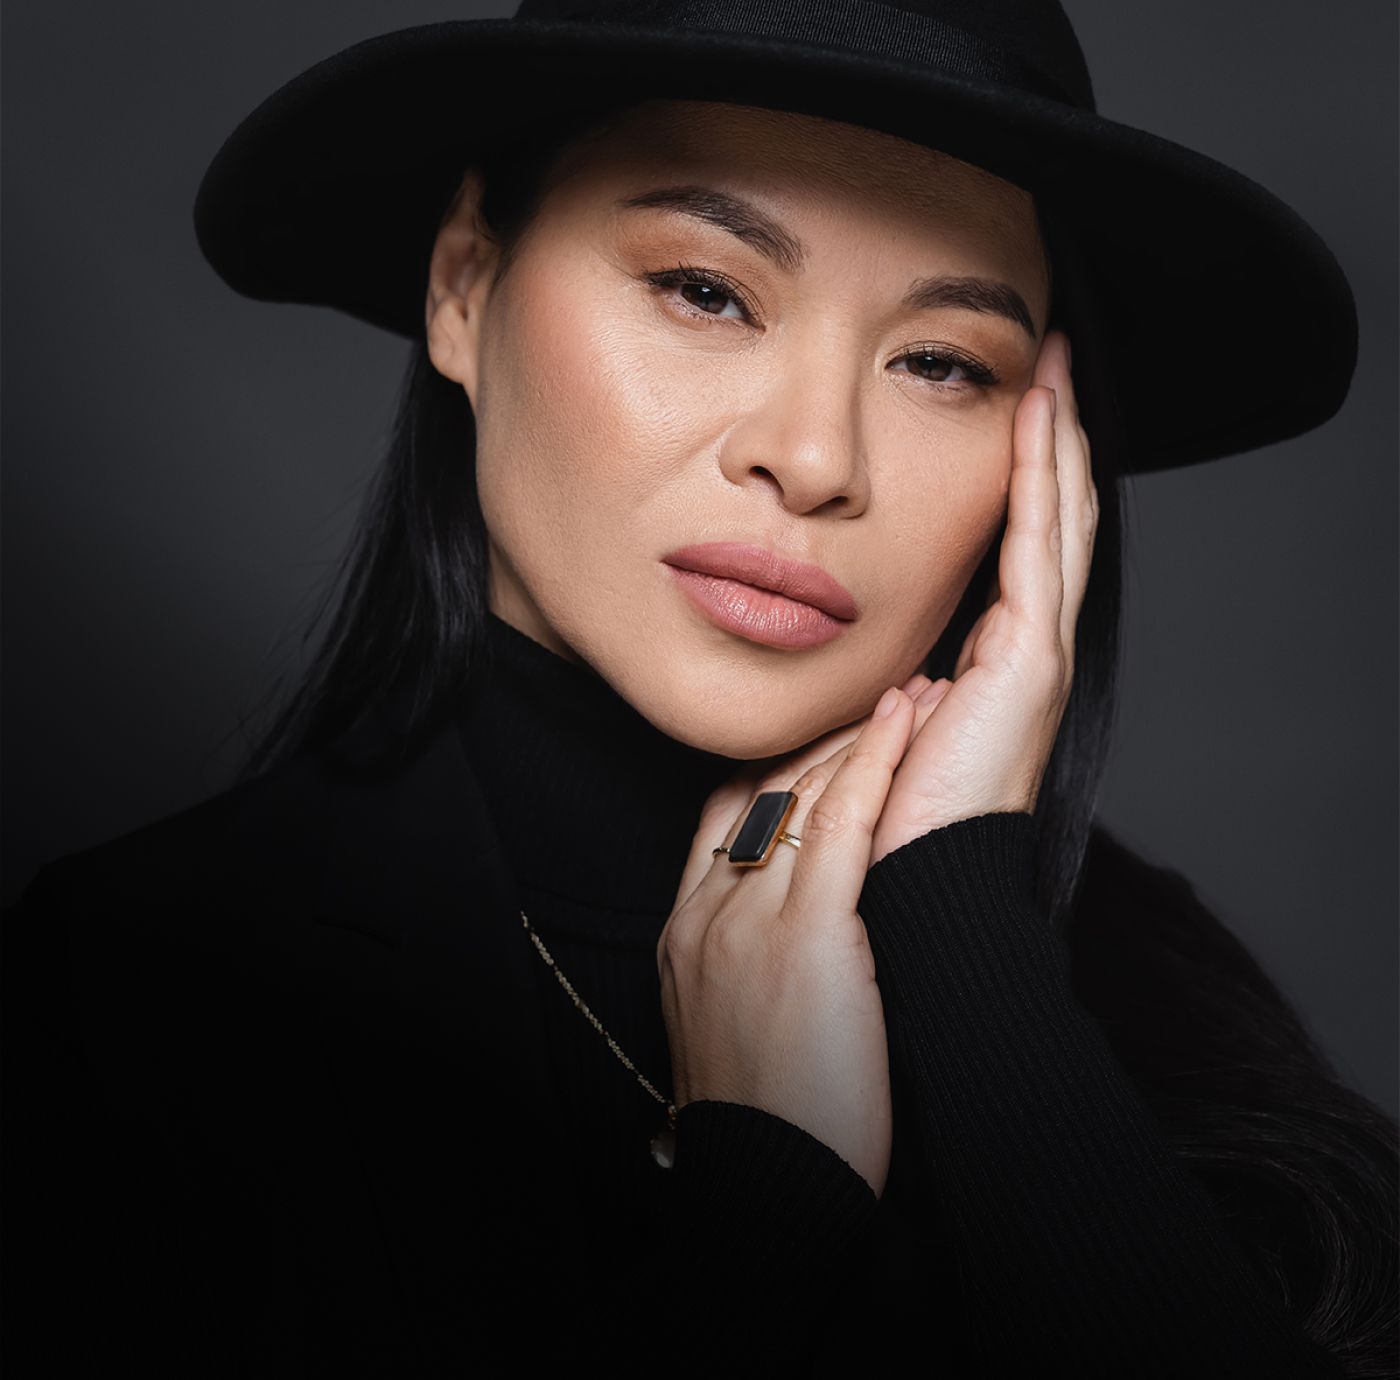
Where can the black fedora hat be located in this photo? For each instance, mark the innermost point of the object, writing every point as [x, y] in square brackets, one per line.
[332, 190]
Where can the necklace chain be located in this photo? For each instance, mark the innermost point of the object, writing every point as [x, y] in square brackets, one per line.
[597, 1024]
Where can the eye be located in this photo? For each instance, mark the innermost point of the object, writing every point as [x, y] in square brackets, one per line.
[703, 289]
[941, 361]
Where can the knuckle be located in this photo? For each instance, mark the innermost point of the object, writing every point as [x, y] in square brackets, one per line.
[828, 820]
[725, 944]
[677, 943]
[1043, 671]
[809, 785]
[863, 750]
[681, 935]
[1064, 675]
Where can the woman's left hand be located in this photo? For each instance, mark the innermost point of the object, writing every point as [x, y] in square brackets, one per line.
[985, 747]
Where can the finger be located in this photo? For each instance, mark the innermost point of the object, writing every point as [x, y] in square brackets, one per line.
[926, 695]
[929, 700]
[716, 815]
[1078, 498]
[839, 825]
[727, 807]
[807, 786]
[916, 685]
[1030, 567]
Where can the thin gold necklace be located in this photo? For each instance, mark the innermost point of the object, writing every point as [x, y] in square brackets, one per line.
[663, 1143]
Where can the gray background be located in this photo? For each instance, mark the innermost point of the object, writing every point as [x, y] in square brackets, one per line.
[181, 467]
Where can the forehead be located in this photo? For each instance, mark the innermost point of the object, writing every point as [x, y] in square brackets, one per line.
[786, 150]
[813, 170]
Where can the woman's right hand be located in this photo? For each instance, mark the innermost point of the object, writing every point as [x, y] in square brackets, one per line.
[767, 980]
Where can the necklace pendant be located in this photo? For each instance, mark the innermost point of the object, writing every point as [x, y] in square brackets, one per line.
[663, 1148]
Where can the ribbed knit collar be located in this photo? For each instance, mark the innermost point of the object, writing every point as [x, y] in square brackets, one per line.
[592, 802]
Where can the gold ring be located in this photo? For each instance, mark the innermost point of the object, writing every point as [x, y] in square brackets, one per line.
[762, 829]
[783, 837]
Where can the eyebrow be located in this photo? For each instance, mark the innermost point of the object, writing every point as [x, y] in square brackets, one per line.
[775, 242]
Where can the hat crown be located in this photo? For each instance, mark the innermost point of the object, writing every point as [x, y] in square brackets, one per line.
[332, 190]
[1029, 45]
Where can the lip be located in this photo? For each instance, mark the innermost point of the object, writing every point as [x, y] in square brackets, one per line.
[764, 569]
[740, 588]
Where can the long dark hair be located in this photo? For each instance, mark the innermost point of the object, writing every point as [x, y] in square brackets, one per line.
[1303, 1167]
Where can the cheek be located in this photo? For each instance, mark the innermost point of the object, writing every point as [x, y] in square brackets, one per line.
[571, 433]
[951, 511]
[579, 406]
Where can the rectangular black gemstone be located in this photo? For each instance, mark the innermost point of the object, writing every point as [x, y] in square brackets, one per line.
[766, 817]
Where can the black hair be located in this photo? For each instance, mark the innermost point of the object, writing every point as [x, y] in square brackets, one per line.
[1304, 1168]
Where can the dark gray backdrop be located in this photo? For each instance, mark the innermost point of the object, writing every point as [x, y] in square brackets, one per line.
[181, 467]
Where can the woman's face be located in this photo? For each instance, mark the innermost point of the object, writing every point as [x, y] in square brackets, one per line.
[743, 364]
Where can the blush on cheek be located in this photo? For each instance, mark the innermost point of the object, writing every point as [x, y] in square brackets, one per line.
[568, 452]
[954, 534]
[580, 387]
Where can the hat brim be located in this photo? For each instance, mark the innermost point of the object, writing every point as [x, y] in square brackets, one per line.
[331, 192]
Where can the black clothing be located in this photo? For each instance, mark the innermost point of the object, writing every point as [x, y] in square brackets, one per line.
[291, 1093]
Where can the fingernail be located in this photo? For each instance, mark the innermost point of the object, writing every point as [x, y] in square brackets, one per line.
[887, 703]
[932, 693]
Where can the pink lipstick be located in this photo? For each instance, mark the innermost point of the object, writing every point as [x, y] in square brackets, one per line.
[761, 595]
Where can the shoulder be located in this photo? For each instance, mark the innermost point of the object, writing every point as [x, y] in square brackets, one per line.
[1131, 901]
[206, 918]
[272, 833]
[1113, 867]
[324, 839]
[259, 830]
[174, 925]
[1157, 964]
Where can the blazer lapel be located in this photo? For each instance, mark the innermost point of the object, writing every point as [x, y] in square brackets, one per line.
[432, 1028]
[412, 860]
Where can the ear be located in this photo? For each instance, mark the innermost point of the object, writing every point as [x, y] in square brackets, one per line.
[459, 278]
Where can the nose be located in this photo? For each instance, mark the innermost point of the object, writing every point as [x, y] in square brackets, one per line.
[801, 433]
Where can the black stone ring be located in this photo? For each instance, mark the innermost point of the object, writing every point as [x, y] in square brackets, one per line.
[762, 830]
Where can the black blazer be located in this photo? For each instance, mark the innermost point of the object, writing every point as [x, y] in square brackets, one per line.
[278, 1105]
[275, 1022]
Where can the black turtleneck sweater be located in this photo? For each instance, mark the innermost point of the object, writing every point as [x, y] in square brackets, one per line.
[257, 1125]
[1034, 1215]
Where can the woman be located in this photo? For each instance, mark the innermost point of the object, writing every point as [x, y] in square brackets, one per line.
[952, 1071]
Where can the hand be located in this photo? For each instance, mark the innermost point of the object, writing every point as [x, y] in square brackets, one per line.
[767, 979]
[986, 744]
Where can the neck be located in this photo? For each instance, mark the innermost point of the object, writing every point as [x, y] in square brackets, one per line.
[592, 802]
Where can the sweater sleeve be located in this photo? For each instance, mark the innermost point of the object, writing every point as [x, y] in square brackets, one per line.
[1078, 1237]
[766, 1227]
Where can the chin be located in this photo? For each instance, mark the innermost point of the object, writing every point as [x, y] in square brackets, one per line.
[730, 730]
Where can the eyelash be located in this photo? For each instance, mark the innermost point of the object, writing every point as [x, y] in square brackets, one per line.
[978, 375]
